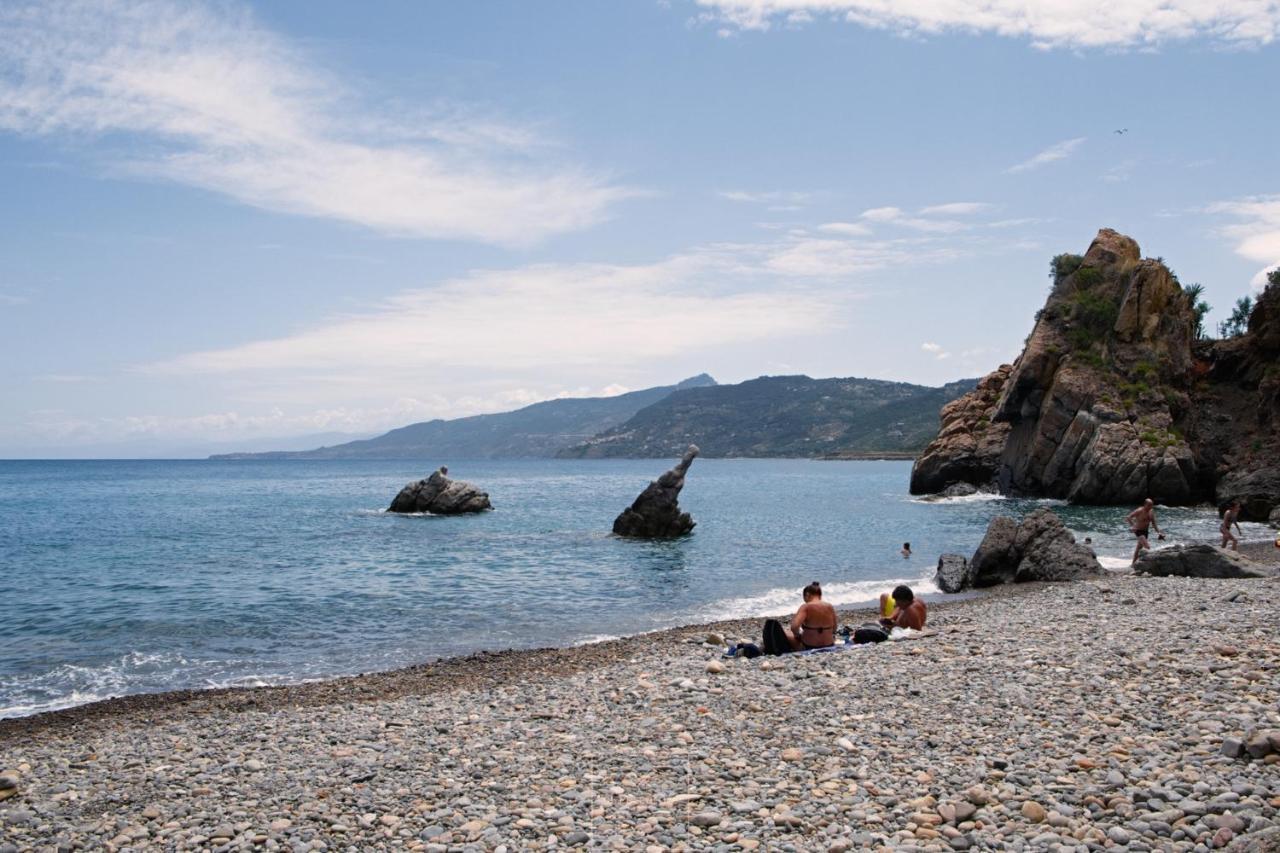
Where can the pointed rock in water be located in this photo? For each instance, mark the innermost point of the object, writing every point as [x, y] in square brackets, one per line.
[1201, 561]
[656, 513]
[439, 495]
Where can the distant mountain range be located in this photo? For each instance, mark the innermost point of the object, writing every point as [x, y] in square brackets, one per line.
[781, 416]
[536, 431]
[769, 416]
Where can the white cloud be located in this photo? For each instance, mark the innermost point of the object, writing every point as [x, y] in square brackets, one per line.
[1257, 234]
[777, 200]
[1058, 151]
[1058, 24]
[845, 229]
[956, 208]
[897, 216]
[541, 316]
[13, 299]
[212, 100]
[935, 350]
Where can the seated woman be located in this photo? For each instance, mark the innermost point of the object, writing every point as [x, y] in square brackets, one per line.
[907, 611]
[814, 624]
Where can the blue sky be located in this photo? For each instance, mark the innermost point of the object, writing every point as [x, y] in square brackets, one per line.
[228, 225]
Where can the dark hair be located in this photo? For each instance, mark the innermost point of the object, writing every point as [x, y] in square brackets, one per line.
[814, 589]
[906, 546]
[903, 595]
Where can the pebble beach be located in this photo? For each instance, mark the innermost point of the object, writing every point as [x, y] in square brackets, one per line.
[1117, 713]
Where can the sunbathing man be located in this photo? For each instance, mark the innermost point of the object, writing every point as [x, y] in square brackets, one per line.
[814, 624]
[1141, 521]
[908, 611]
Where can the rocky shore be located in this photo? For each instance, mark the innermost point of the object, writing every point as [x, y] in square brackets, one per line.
[1100, 714]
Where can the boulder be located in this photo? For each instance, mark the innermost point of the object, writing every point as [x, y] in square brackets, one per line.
[656, 514]
[439, 495]
[1257, 489]
[994, 562]
[1201, 561]
[953, 573]
[1041, 548]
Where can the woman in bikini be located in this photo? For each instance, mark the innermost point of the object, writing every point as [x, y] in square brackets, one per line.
[814, 625]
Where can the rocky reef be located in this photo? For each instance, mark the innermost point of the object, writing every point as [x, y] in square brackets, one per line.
[439, 495]
[656, 514]
[1114, 398]
[1201, 561]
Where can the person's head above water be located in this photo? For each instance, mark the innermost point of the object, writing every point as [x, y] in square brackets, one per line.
[1148, 503]
[902, 595]
[813, 590]
[906, 546]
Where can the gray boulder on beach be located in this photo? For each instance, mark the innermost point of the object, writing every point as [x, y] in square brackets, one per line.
[953, 574]
[656, 514]
[439, 495]
[1041, 548]
[1201, 561]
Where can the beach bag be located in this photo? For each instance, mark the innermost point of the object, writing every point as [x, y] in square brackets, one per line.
[775, 639]
[869, 634]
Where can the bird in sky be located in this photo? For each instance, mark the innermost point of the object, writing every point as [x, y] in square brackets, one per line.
[1122, 131]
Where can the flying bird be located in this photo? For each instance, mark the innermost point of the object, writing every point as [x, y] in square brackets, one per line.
[1122, 131]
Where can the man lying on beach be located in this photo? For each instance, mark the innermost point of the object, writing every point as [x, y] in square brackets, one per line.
[1141, 521]
[813, 626]
[908, 611]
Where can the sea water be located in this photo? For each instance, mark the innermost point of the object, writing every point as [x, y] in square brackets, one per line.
[122, 577]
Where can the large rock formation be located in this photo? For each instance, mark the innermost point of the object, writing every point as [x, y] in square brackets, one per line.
[439, 495]
[1201, 561]
[953, 573]
[656, 513]
[1113, 399]
[1041, 548]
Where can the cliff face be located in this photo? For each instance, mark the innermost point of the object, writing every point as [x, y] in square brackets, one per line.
[1113, 400]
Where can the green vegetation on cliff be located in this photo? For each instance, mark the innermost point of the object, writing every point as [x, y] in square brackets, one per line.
[781, 416]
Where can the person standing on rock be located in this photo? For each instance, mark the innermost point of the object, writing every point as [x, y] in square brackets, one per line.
[1230, 517]
[1141, 521]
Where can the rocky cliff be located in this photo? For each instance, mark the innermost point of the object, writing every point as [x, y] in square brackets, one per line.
[1114, 400]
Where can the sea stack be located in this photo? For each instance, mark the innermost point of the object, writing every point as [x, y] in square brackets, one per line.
[656, 513]
[439, 495]
[1118, 396]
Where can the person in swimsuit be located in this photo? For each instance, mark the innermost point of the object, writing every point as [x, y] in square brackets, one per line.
[1230, 517]
[814, 624]
[1141, 521]
[908, 612]
[906, 550]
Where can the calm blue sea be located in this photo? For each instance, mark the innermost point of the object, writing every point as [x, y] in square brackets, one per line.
[123, 577]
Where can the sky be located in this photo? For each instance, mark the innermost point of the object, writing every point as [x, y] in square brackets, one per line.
[230, 226]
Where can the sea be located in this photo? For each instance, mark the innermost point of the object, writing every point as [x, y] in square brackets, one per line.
[122, 577]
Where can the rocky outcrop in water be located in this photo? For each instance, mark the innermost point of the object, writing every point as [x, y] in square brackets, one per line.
[1201, 561]
[656, 513]
[439, 495]
[1114, 400]
[1041, 548]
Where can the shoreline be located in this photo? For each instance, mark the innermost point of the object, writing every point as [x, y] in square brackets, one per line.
[477, 670]
[480, 669]
[1087, 715]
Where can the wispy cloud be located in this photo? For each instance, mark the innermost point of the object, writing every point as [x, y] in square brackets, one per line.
[1069, 24]
[956, 208]
[13, 299]
[1058, 151]
[541, 316]
[1256, 231]
[845, 229]
[776, 199]
[209, 98]
[935, 350]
